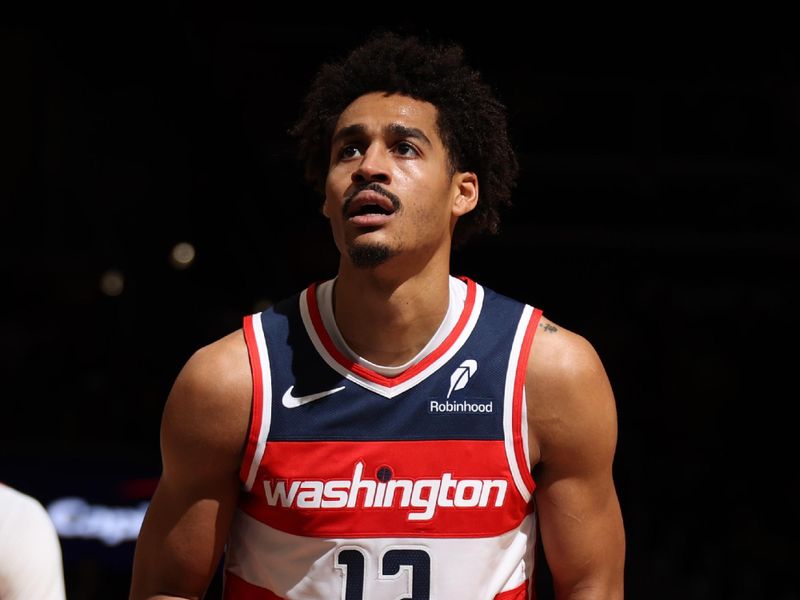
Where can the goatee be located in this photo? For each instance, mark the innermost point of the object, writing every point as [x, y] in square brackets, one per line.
[369, 256]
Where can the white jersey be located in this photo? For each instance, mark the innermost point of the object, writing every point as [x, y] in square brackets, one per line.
[30, 555]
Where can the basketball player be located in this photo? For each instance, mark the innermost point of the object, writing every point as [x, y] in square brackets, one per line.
[396, 431]
[30, 554]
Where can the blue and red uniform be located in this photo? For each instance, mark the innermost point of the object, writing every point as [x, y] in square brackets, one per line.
[361, 486]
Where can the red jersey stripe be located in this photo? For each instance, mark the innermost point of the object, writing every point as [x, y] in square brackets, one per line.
[518, 593]
[520, 429]
[386, 489]
[256, 408]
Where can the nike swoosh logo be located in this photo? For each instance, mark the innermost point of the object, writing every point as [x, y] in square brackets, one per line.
[290, 401]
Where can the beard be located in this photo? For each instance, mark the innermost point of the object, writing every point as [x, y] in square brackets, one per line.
[369, 256]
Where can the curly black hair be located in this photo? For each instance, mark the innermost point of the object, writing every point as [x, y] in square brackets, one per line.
[470, 119]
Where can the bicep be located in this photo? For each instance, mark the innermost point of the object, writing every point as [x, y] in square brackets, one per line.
[579, 515]
[582, 532]
[182, 538]
[184, 531]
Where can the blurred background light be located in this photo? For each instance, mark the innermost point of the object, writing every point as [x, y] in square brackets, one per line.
[182, 255]
[112, 283]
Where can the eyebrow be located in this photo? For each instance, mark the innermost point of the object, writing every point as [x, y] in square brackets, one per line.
[397, 129]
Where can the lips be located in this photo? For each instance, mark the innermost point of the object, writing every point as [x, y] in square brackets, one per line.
[368, 202]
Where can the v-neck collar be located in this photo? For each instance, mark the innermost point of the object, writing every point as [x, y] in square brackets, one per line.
[372, 380]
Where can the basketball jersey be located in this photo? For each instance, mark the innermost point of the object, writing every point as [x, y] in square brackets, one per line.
[361, 486]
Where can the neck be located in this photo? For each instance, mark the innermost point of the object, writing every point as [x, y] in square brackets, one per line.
[388, 319]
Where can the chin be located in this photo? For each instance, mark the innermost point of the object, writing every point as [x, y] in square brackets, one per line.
[369, 256]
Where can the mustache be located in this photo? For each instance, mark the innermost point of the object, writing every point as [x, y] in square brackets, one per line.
[373, 187]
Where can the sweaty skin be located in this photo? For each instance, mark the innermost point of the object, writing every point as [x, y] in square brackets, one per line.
[387, 313]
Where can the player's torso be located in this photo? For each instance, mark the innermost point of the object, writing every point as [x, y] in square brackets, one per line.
[360, 486]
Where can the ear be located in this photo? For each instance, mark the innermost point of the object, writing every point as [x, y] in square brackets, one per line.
[466, 184]
[324, 207]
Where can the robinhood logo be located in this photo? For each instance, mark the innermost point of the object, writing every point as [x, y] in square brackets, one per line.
[462, 374]
[424, 494]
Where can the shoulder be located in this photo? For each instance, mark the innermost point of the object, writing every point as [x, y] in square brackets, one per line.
[220, 369]
[208, 407]
[569, 399]
[30, 555]
[560, 354]
[19, 507]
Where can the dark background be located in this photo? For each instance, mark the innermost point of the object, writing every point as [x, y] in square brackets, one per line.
[656, 215]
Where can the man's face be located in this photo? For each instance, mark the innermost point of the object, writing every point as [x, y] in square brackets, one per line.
[389, 191]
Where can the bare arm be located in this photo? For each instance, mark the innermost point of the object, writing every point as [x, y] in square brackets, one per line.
[202, 436]
[573, 434]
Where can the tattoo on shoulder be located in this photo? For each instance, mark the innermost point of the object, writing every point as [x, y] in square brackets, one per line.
[548, 327]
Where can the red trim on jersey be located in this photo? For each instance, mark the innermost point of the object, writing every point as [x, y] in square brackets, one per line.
[237, 588]
[369, 374]
[518, 593]
[518, 427]
[256, 408]
[295, 468]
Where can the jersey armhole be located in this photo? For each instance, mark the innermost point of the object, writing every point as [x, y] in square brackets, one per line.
[520, 403]
[261, 406]
[515, 421]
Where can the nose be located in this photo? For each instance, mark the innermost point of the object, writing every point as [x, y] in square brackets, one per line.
[372, 167]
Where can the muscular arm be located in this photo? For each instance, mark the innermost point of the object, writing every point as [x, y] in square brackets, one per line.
[573, 432]
[202, 436]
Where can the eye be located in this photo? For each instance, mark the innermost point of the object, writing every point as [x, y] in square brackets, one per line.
[403, 145]
[345, 151]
